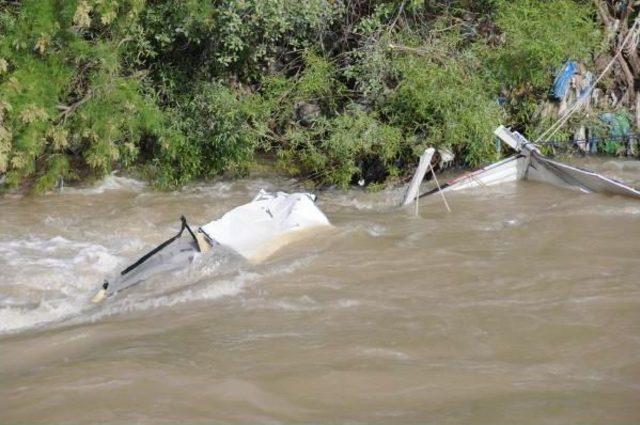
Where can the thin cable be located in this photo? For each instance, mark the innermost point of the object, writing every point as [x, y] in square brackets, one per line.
[444, 198]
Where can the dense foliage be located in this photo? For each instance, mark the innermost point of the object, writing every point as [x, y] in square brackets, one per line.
[333, 90]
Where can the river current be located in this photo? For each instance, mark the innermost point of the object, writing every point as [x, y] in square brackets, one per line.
[522, 305]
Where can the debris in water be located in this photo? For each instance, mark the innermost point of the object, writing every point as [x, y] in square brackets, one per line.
[529, 164]
[252, 231]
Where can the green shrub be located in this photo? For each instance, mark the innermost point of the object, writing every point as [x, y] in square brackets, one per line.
[182, 40]
[63, 91]
[443, 100]
[211, 135]
[540, 36]
[343, 150]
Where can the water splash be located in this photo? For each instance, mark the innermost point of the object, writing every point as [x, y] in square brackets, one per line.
[112, 182]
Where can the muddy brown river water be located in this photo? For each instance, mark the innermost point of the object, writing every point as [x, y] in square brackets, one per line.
[521, 306]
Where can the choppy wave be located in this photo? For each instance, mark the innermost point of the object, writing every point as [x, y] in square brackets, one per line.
[216, 278]
[49, 279]
[56, 253]
[210, 290]
[63, 274]
[108, 183]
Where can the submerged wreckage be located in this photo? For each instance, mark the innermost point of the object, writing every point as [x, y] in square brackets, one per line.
[252, 231]
[256, 230]
[527, 164]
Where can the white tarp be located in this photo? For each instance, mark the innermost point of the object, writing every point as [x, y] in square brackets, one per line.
[272, 220]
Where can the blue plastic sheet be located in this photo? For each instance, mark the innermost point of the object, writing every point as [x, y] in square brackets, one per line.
[562, 81]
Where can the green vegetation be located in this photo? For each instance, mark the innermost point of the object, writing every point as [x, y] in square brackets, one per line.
[334, 90]
[67, 101]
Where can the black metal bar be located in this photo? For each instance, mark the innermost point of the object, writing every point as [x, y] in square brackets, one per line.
[158, 248]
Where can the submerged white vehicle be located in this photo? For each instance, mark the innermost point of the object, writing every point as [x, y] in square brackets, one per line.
[253, 231]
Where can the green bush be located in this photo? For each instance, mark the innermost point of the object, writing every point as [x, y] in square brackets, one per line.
[63, 93]
[183, 40]
[211, 135]
[342, 151]
[443, 100]
[540, 36]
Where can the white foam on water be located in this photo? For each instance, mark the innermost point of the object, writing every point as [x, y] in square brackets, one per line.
[303, 303]
[217, 190]
[63, 274]
[15, 319]
[347, 201]
[213, 290]
[385, 353]
[67, 273]
[347, 303]
[109, 183]
[32, 249]
[50, 277]
[376, 230]
[202, 282]
[225, 189]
